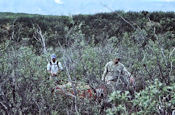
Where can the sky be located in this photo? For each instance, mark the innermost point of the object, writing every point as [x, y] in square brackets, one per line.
[73, 7]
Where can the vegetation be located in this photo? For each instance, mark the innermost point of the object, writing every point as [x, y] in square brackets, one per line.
[84, 44]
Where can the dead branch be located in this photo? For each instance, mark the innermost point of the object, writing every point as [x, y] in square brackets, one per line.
[150, 76]
[13, 32]
[41, 38]
[131, 24]
[70, 79]
[162, 50]
[120, 16]
[171, 53]
[4, 107]
[171, 63]
[159, 66]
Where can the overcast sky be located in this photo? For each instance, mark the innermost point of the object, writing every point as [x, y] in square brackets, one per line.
[70, 7]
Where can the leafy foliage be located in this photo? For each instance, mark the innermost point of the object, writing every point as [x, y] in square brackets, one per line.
[84, 44]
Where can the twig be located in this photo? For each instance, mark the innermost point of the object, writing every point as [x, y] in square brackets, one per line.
[164, 57]
[171, 63]
[132, 25]
[120, 16]
[42, 39]
[70, 80]
[171, 53]
[3, 106]
[162, 50]
[67, 111]
[160, 68]
[13, 32]
[67, 93]
[148, 72]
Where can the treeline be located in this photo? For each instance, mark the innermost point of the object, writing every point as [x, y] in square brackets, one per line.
[145, 42]
[96, 28]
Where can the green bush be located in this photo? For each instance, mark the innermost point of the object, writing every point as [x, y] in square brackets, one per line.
[87, 44]
[155, 99]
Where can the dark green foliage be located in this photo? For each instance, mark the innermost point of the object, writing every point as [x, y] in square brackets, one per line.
[84, 44]
[100, 26]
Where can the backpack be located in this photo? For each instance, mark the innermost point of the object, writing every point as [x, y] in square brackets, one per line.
[54, 64]
[51, 63]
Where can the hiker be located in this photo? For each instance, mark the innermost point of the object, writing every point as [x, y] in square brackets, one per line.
[54, 67]
[115, 72]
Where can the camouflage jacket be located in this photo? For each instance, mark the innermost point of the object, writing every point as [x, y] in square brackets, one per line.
[113, 71]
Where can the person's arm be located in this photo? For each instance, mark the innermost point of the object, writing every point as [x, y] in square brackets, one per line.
[60, 65]
[128, 74]
[105, 72]
[49, 68]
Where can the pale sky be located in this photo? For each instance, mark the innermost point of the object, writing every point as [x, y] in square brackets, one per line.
[71, 7]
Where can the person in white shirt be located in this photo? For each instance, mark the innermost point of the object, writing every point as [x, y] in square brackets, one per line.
[54, 67]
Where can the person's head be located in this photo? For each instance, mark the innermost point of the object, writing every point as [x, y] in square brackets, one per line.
[116, 60]
[53, 57]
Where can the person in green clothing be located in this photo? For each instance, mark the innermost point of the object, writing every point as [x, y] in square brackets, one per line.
[115, 72]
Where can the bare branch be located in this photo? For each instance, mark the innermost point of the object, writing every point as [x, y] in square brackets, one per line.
[171, 63]
[162, 50]
[4, 107]
[41, 38]
[120, 16]
[13, 32]
[70, 80]
[171, 53]
[160, 68]
[163, 54]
